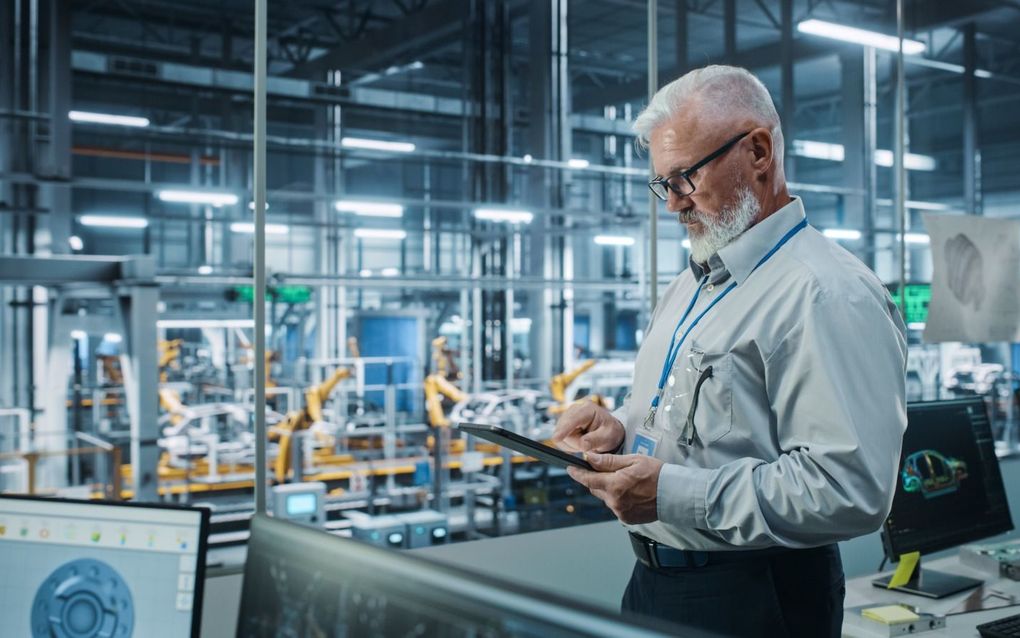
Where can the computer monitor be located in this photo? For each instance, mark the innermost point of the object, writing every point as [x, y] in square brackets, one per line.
[300, 581]
[949, 490]
[99, 569]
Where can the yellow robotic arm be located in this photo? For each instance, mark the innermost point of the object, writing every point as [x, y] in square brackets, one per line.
[558, 385]
[303, 419]
[436, 387]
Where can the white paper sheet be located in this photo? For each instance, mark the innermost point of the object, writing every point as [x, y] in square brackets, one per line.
[975, 292]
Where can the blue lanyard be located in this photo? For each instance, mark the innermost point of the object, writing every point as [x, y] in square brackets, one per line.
[675, 345]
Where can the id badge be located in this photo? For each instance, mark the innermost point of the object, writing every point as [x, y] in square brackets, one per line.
[645, 443]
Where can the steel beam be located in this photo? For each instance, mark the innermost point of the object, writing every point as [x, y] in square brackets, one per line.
[419, 31]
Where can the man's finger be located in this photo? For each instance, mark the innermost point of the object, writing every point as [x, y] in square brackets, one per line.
[591, 480]
[609, 462]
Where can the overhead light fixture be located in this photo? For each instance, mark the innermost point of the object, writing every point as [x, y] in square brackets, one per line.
[108, 118]
[377, 145]
[249, 228]
[528, 158]
[205, 270]
[365, 272]
[113, 221]
[504, 215]
[197, 197]
[75, 242]
[912, 161]
[860, 36]
[613, 240]
[842, 234]
[836, 153]
[79, 335]
[205, 323]
[389, 272]
[251, 205]
[113, 337]
[915, 204]
[686, 243]
[379, 233]
[915, 238]
[578, 163]
[369, 209]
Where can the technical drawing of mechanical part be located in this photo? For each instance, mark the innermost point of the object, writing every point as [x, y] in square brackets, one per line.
[84, 598]
[966, 271]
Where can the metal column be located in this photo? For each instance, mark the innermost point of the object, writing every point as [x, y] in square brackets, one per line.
[259, 303]
[787, 92]
[971, 152]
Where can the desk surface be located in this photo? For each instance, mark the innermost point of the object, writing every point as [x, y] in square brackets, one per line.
[860, 591]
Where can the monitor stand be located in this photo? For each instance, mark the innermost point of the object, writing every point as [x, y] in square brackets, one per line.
[931, 584]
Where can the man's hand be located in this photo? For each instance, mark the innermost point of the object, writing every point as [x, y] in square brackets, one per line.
[586, 427]
[627, 484]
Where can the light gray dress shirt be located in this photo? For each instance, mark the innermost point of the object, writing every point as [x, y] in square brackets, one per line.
[797, 431]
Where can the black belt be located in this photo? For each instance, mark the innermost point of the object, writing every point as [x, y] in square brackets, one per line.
[658, 556]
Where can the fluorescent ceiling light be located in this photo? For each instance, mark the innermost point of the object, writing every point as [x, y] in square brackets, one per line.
[818, 150]
[842, 233]
[78, 335]
[113, 221]
[365, 272]
[389, 272]
[205, 270]
[249, 228]
[912, 161]
[686, 243]
[377, 145]
[613, 240]
[915, 204]
[379, 233]
[108, 118]
[860, 36]
[370, 209]
[205, 323]
[578, 163]
[916, 238]
[197, 197]
[75, 242]
[883, 157]
[113, 337]
[504, 215]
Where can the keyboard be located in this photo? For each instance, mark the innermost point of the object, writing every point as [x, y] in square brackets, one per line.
[1008, 627]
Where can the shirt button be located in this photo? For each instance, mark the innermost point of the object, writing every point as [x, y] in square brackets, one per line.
[710, 287]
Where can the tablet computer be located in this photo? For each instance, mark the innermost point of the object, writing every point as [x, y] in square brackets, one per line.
[524, 445]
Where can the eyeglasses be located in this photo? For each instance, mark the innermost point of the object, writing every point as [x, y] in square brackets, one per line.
[680, 183]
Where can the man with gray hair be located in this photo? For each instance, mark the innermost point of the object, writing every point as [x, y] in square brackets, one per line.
[768, 404]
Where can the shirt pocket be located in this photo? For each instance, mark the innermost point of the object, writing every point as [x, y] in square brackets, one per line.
[711, 395]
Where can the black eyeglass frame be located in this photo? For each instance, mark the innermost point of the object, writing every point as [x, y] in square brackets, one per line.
[686, 174]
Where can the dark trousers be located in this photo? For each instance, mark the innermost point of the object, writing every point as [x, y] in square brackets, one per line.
[795, 593]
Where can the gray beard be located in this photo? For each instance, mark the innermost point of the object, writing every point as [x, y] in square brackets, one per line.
[720, 230]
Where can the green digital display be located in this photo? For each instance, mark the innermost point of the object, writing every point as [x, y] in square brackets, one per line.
[918, 296]
[282, 294]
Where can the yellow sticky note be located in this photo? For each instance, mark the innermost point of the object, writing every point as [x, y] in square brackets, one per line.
[889, 614]
[905, 570]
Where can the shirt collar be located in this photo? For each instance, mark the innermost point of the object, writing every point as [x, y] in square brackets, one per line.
[739, 257]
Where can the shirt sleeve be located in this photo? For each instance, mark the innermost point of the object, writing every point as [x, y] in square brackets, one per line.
[836, 386]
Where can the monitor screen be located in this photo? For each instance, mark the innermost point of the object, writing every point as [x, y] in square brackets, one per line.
[85, 568]
[949, 488]
[300, 581]
[299, 504]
